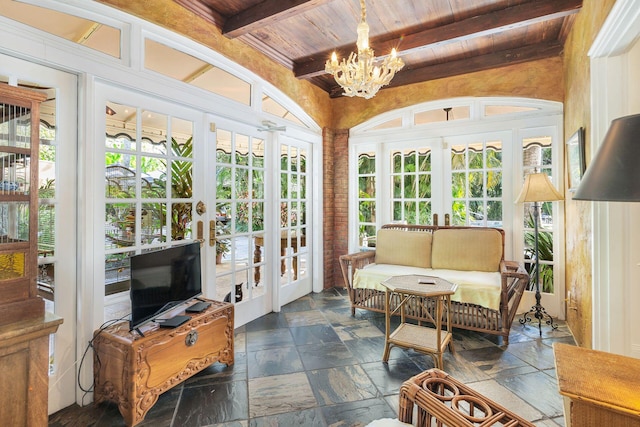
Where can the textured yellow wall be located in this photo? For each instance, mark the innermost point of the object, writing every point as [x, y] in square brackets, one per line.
[577, 113]
[537, 79]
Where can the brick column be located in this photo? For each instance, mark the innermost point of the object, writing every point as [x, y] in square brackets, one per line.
[336, 203]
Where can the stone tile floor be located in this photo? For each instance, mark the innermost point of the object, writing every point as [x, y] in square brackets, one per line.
[313, 364]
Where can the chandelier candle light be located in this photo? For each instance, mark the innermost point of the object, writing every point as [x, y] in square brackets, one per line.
[358, 75]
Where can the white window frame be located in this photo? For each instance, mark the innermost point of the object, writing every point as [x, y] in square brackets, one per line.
[546, 114]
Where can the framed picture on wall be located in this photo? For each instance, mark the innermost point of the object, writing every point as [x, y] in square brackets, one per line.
[575, 158]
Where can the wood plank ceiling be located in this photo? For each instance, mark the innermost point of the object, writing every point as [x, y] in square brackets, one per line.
[435, 38]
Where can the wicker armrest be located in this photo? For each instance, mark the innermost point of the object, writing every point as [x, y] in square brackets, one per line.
[355, 261]
[513, 269]
[360, 259]
[514, 281]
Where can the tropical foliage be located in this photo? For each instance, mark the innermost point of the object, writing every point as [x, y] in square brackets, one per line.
[476, 186]
[181, 188]
[153, 214]
[545, 251]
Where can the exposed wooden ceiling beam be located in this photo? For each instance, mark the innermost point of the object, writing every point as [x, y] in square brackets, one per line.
[266, 13]
[203, 11]
[469, 65]
[261, 46]
[477, 26]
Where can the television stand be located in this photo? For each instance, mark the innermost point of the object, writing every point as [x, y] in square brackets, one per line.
[133, 370]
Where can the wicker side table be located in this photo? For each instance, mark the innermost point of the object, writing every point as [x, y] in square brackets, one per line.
[445, 401]
[432, 341]
[599, 388]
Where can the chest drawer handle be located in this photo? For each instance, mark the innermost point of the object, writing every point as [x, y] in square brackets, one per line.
[191, 338]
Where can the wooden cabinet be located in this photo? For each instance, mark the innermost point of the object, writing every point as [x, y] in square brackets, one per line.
[24, 325]
[133, 370]
[24, 370]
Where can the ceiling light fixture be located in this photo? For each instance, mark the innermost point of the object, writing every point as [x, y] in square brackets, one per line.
[270, 126]
[358, 75]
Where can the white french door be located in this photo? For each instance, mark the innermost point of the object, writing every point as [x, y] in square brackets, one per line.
[262, 193]
[57, 212]
[295, 184]
[456, 177]
[477, 185]
[415, 184]
[241, 196]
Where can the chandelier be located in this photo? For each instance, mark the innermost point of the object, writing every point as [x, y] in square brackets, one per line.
[359, 75]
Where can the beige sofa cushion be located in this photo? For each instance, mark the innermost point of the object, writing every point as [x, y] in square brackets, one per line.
[467, 249]
[474, 287]
[401, 247]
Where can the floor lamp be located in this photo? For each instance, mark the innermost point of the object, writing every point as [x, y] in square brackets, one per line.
[538, 188]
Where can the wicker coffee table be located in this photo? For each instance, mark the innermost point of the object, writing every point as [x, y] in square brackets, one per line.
[417, 289]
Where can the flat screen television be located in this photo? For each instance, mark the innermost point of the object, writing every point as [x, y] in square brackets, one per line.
[163, 279]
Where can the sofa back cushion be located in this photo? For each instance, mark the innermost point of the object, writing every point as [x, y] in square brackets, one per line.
[467, 249]
[401, 247]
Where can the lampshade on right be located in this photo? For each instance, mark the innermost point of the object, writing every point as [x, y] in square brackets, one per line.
[614, 173]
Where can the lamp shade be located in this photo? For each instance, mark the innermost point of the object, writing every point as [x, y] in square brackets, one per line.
[538, 188]
[614, 173]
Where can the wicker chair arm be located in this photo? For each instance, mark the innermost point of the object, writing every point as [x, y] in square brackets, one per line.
[514, 280]
[513, 269]
[352, 262]
[360, 259]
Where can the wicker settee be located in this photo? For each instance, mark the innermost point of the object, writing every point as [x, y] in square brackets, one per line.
[489, 288]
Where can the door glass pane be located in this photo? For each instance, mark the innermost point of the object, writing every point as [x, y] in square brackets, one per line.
[409, 187]
[397, 186]
[119, 225]
[154, 131]
[424, 160]
[424, 212]
[153, 182]
[152, 221]
[424, 186]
